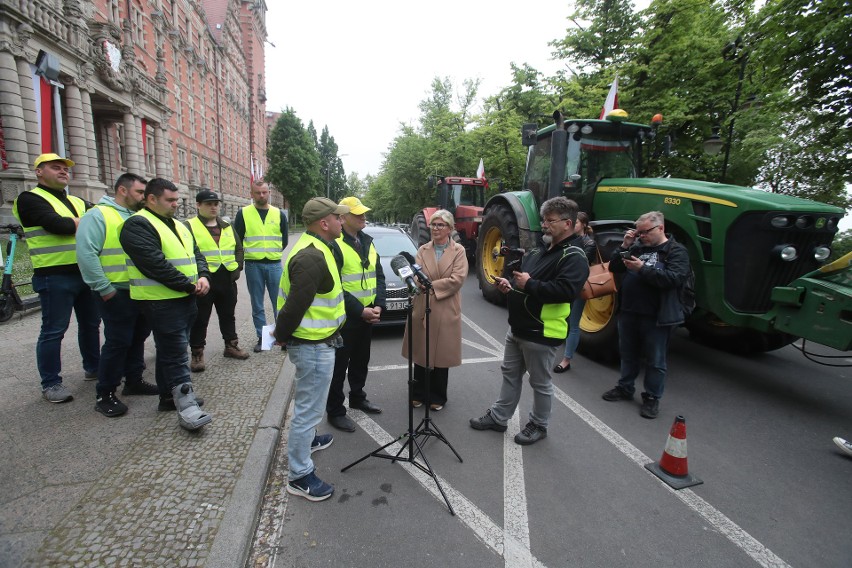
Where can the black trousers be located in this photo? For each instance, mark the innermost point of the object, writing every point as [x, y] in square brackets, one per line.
[438, 381]
[353, 357]
[223, 295]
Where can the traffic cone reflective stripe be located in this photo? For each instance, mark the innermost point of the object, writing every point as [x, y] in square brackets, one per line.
[672, 467]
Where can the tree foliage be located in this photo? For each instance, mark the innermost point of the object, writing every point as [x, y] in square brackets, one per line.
[293, 161]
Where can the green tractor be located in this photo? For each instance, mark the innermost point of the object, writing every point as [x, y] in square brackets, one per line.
[757, 257]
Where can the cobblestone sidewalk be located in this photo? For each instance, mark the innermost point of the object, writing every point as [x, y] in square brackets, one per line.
[80, 489]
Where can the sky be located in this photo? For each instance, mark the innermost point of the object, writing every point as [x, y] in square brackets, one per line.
[362, 67]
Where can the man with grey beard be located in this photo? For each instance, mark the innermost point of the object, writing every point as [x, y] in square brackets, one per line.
[539, 300]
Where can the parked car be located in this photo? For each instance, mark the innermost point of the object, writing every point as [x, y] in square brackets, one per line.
[389, 242]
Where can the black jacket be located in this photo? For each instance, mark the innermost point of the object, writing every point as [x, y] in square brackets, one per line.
[666, 277]
[588, 245]
[556, 276]
[141, 241]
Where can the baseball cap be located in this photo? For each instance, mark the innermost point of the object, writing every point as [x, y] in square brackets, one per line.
[52, 158]
[318, 207]
[355, 205]
[206, 195]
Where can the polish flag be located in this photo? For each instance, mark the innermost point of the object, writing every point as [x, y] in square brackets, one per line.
[611, 102]
[43, 92]
[252, 168]
[480, 171]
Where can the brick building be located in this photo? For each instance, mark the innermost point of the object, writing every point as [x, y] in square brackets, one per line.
[162, 88]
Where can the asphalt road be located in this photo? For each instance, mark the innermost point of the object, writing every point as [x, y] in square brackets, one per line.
[776, 491]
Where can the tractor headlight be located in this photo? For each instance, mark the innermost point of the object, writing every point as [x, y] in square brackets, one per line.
[787, 253]
[781, 222]
[821, 253]
[804, 222]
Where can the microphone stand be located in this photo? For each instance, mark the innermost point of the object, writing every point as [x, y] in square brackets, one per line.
[426, 429]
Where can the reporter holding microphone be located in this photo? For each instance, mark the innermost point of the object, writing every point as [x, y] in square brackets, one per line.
[444, 262]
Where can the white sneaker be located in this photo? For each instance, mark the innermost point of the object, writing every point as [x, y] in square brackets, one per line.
[57, 393]
[844, 445]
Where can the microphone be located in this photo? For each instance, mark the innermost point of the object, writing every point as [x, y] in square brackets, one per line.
[418, 270]
[402, 269]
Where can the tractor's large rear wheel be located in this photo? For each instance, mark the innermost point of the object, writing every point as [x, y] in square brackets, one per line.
[498, 227]
[599, 328]
[419, 230]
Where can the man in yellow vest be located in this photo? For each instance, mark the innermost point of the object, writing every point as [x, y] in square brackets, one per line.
[263, 230]
[50, 218]
[364, 293]
[311, 313]
[167, 271]
[104, 268]
[223, 251]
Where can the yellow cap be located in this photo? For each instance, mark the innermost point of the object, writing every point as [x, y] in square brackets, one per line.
[355, 205]
[52, 158]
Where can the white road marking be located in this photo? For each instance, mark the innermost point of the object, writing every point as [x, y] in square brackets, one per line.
[512, 542]
[499, 540]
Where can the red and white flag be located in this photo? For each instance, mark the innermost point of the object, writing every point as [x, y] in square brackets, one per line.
[480, 171]
[43, 92]
[611, 102]
[252, 168]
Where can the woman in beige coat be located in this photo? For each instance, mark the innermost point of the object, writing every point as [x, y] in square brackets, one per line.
[444, 261]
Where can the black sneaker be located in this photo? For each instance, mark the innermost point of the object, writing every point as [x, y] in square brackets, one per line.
[531, 434]
[257, 347]
[310, 487]
[650, 406]
[110, 406]
[618, 393]
[168, 404]
[139, 387]
[487, 422]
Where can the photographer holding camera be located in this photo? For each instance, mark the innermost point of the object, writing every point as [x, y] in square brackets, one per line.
[654, 270]
[546, 283]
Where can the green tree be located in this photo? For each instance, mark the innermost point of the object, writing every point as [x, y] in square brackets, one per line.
[294, 164]
[600, 34]
[331, 166]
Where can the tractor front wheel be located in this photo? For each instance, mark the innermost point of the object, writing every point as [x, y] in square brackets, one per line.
[499, 227]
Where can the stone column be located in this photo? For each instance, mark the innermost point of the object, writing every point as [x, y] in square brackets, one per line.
[160, 152]
[89, 128]
[11, 109]
[131, 144]
[143, 167]
[78, 147]
[28, 106]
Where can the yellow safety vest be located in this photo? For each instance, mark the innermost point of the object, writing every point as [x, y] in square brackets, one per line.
[358, 280]
[112, 257]
[555, 319]
[50, 249]
[327, 311]
[263, 239]
[216, 255]
[179, 253]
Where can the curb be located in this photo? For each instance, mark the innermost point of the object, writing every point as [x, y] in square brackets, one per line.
[233, 541]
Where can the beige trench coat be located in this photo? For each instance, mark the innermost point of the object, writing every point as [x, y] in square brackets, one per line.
[447, 277]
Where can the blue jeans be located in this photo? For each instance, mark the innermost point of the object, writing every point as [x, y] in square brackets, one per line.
[638, 336]
[123, 351]
[314, 365]
[573, 338]
[262, 277]
[170, 322]
[59, 294]
[519, 357]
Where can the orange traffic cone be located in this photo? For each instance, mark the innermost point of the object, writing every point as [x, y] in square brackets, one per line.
[672, 467]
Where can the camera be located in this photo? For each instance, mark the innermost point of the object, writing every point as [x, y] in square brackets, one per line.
[513, 257]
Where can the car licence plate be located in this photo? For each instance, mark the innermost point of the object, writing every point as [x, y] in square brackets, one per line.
[394, 306]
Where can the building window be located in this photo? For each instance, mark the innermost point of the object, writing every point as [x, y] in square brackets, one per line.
[196, 173]
[205, 173]
[114, 12]
[150, 160]
[182, 164]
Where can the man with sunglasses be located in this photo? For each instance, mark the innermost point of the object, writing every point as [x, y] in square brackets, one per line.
[364, 295]
[655, 267]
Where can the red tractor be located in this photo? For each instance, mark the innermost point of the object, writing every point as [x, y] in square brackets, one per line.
[464, 197]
